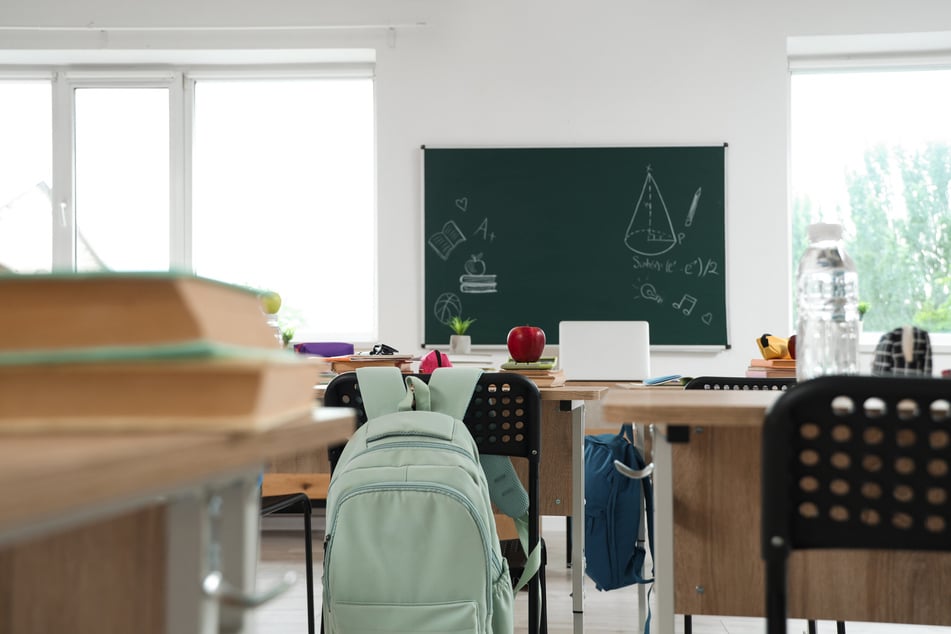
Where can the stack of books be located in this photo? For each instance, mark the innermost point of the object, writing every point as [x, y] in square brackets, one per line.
[542, 372]
[143, 352]
[349, 363]
[772, 369]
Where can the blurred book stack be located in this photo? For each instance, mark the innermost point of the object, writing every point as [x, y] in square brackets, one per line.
[543, 372]
[349, 363]
[771, 369]
[143, 352]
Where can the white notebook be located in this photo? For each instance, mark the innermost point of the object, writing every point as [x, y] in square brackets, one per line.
[604, 350]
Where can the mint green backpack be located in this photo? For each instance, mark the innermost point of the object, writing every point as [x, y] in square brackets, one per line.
[411, 543]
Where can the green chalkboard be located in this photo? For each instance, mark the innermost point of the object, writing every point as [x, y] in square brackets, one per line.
[541, 235]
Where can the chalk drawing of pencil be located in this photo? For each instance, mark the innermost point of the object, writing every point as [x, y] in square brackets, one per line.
[693, 207]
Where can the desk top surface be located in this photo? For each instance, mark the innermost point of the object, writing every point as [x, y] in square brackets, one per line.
[44, 476]
[690, 407]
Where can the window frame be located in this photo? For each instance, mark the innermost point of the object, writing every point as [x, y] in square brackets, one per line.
[180, 80]
[811, 57]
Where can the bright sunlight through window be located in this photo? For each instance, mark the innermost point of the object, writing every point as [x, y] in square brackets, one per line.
[283, 188]
[872, 150]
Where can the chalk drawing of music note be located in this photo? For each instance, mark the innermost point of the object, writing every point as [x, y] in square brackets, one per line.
[686, 299]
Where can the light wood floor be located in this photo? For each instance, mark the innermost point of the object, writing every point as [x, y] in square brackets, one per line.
[605, 612]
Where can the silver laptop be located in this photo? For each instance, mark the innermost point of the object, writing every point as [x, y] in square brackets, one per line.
[604, 350]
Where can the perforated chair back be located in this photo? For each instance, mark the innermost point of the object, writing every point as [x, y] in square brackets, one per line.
[504, 418]
[854, 462]
[739, 383]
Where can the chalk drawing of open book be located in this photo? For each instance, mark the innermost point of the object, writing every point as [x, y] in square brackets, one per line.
[446, 240]
[651, 231]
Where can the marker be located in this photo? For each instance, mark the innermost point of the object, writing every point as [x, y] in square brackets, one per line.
[693, 207]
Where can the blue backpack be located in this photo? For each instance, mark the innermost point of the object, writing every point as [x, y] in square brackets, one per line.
[612, 511]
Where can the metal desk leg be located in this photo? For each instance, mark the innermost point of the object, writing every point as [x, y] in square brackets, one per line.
[663, 532]
[240, 542]
[577, 514]
[188, 533]
[212, 529]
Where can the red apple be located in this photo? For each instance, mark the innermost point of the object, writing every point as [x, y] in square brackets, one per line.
[791, 346]
[526, 343]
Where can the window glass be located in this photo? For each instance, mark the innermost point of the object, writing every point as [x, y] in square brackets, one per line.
[25, 176]
[872, 150]
[122, 179]
[283, 195]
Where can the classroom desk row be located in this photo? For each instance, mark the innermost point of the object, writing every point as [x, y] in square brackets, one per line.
[115, 532]
[706, 448]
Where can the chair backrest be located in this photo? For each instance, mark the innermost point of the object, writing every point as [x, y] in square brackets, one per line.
[504, 418]
[739, 383]
[604, 350]
[854, 462]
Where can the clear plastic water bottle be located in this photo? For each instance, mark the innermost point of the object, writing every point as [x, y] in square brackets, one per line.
[827, 293]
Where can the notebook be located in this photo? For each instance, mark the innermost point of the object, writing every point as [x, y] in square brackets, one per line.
[604, 350]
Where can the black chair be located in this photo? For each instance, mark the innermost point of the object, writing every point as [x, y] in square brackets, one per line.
[854, 462]
[504, 418]
[271, 504]
[739, 383]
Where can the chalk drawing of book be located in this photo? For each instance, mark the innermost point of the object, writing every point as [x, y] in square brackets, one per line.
[446, 240]
[650, 232]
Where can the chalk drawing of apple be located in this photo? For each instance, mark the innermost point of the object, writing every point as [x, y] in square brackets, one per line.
[474, 265]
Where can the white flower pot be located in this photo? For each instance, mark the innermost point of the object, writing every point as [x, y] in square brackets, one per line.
[460, 344]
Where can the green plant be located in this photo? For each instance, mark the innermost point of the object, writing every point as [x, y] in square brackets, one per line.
[287, 333]
[863, 308]
[460, 325]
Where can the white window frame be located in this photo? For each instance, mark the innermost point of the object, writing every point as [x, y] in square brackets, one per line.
[862, 54]
[179, 79]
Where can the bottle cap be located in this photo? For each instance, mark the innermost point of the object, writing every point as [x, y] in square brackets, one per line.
[824, 231]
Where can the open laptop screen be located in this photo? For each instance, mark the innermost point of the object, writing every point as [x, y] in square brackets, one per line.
[604, 350]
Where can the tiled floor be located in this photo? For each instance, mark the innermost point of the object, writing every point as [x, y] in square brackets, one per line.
[605, 612]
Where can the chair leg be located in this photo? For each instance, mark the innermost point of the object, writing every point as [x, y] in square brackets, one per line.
[568, 540]
[840, 627]
[688, 624]
[309, 562]
[544, 590]
[811, 626]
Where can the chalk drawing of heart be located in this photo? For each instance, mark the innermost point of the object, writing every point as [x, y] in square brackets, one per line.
[707, 318]
[462, 203]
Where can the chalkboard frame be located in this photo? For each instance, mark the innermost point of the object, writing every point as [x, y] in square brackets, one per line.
[433, 333]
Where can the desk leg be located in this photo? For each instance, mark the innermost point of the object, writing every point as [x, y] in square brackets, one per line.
[188, 533]
[212, 528]
[663, 532]
[240, 543]
[577, 515]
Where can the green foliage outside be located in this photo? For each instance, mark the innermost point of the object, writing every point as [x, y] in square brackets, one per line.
[898, 231]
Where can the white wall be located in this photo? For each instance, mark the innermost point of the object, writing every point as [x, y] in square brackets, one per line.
[540, 72]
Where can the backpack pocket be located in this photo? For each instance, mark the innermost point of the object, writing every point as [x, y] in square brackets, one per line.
[460, 617]
[503, 602]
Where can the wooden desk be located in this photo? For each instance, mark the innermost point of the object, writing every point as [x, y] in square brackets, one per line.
[707, 509]
[111, 533]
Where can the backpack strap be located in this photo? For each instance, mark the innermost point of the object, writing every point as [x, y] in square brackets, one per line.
[452, 390]
[382, 390]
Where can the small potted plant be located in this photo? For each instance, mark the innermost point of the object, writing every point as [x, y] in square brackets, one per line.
[460, 342]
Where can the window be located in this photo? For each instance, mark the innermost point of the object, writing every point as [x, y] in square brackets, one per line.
[272, 184]
[871, 149]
